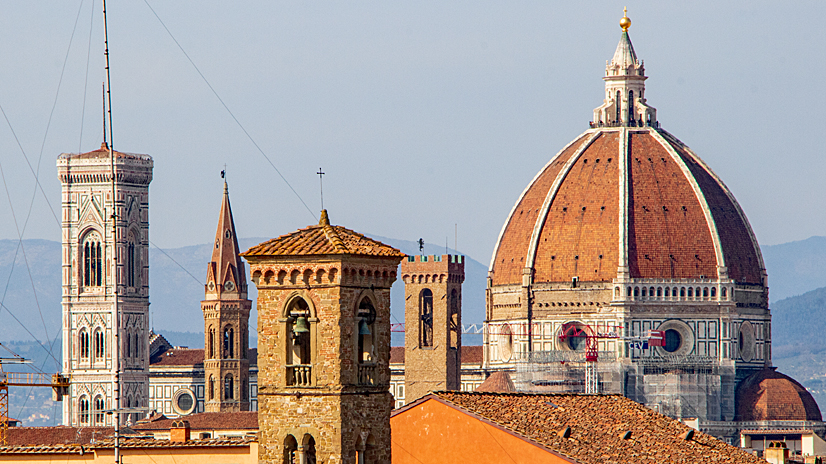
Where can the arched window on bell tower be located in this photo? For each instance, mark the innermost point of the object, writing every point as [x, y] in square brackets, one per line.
[229, 387]
[453, 332]
[92, 260]
[132, 261]
[426, 318]
[299, 343]
[211, 346]
[229, 338]
[618, 103]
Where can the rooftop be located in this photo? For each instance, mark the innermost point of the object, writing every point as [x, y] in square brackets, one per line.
[322, 239]
[602, 428]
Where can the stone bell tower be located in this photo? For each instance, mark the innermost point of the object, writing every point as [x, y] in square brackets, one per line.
[324, 345]
[433, 323]
[226, 321]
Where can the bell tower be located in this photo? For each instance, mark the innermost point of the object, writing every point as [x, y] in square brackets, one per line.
[105, 342]
[324, 345]
[226, 321]
[433, 323]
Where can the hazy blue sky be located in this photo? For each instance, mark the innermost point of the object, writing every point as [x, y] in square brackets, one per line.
[422, 114]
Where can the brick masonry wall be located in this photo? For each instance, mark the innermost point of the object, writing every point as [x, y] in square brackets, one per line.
[437, 367]
[340, 415]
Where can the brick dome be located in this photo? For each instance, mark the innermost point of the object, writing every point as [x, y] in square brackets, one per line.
[770, 395]
[626, 199]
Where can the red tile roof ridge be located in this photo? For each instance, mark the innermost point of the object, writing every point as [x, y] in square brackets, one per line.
[336, 238]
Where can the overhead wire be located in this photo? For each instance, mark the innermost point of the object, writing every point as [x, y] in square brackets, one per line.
[214, 92]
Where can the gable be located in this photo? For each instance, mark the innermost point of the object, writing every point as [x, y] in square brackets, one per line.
[433, 431]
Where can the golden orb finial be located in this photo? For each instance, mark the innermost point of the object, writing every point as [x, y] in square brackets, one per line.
[625, 23]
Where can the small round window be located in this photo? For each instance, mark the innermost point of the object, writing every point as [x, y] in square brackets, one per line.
[576, 342]
[673, 340]
[184, 402]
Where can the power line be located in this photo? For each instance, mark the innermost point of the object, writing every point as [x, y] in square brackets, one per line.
[173, 260]
[214, 92]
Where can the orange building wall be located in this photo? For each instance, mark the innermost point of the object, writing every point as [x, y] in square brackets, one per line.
[434, 432]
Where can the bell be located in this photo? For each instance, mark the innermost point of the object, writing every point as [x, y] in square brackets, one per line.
[363, 328]
[301, 326]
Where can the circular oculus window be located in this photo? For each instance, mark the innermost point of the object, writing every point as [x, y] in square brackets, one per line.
[679, 338]
[746, 341]
[229, 286]
[184, 402]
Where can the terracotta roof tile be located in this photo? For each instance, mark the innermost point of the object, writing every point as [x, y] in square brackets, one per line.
[598, 423]
[770, 395]
[207, 421]
[497, 382]
[60, 435]
[129, 443]
[322, 239]
[190, 357]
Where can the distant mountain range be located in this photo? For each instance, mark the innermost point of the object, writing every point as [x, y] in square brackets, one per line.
[797, 279]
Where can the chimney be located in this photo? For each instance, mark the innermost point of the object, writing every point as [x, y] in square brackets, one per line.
[180, 431]
[776, 453]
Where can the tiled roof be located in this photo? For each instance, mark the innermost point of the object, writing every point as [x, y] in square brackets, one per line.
[103, 152]
[497, 382]
[770, 395]
[191, 357]
[671, 193]
[322, 239]
[48, 436]
[470, 354]
[207, 421]
[130, 443]
[598, 425]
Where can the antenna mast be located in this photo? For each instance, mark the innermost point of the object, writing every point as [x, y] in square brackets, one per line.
[108, 99]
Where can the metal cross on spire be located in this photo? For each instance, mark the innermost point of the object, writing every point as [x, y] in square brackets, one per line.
[321, 186]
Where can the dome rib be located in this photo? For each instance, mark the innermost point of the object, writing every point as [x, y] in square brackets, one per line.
[530, 258]
[740, 221]
[712, 226]
[512, 217]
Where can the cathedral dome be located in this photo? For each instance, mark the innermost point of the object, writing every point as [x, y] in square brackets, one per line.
[626, 199]
[770, 395]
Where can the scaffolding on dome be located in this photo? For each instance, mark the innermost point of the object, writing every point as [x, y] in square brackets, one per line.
[559, 371]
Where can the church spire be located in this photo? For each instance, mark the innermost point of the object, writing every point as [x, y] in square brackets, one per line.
[625, 103]
[226, 272]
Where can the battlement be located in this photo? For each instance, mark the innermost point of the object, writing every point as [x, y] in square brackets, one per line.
[452, 264]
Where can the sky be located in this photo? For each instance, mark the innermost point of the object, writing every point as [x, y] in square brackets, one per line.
[429, 118]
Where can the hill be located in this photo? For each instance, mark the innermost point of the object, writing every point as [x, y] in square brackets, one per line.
[796, 267]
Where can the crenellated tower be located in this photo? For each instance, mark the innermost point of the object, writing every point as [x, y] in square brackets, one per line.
[104, 341]
[433, 323]
[226, 321]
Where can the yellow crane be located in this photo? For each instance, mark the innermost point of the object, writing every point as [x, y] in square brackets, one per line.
[59, 384]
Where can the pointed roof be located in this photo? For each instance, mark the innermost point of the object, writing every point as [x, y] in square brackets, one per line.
[323, 239]
[625, 55]
[226, 263]
[499, 381]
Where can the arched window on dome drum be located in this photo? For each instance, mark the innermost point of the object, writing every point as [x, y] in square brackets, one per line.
[619, 105]
[705, 292]
[636, 291]
[690, 292]
[643, 292]
[674, 292]
[631, 117]
[92, 261]
[628, 292]
[713, 292]
[651, 292]
[667, 292]
[426, 318]
[724, 292]
[697, 292]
